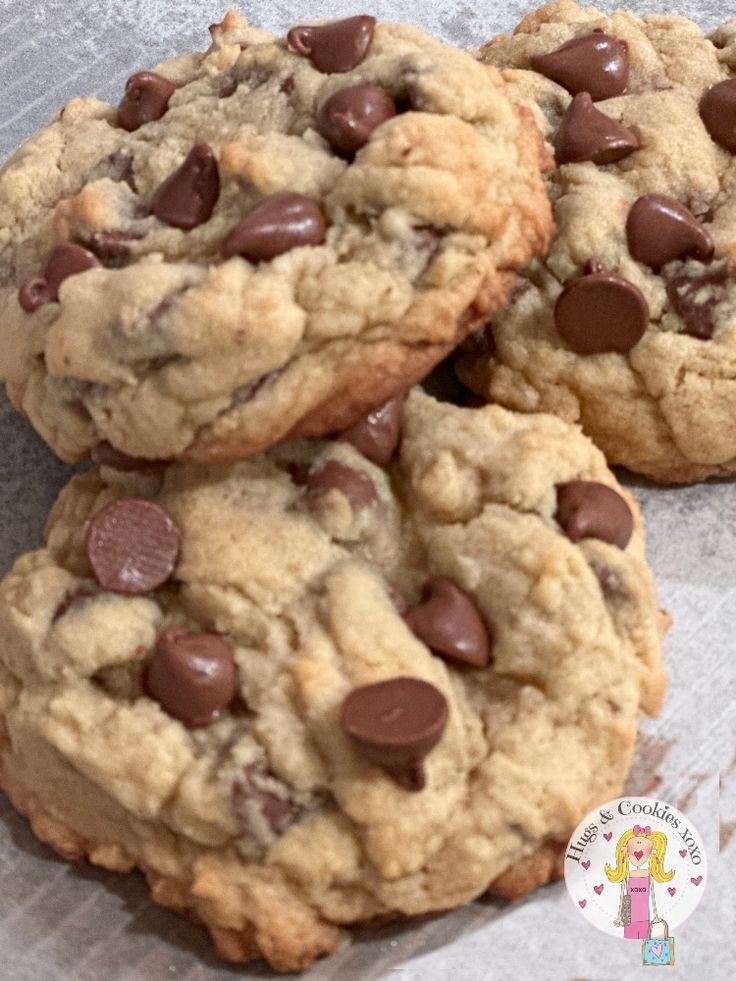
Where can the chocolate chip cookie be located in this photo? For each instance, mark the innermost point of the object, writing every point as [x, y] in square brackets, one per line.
[628, 326]
[345, 681]
[267, 240]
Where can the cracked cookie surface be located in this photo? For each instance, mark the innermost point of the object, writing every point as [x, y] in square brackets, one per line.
[661, 400]
[188, 322]
[471, 565]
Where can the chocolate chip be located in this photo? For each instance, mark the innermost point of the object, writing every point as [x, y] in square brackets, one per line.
[588, 509]
[188, 197]
[118, 167]
[443, 384]
[255, 789]
[357, 487]
[106, 455]
[585, 133]
[112, 247]
[67, 259]
[609, 580]
[377, 436]
[71, 600]
[396, 724]
[601, 312]
[694, 299]
[448, 622]
[146, 99]
[718, 112]
[193, 677]
[398, 599]
[336, 47]
[133, 546]
[660, 229]
[229, 86]
[281, 222]
[348, 119]
[594, 63]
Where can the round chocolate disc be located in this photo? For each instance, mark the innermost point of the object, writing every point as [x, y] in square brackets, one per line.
[601, 313]
[133, 546]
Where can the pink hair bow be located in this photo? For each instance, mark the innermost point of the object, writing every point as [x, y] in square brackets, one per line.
[640, 832]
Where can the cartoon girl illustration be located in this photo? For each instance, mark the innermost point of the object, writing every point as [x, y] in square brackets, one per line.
[639, 864]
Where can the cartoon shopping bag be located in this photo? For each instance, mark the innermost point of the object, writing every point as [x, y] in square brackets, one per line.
[658, 951]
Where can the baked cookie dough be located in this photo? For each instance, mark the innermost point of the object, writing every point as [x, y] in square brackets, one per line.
[309, 691]
[266, 240]
[628, 326]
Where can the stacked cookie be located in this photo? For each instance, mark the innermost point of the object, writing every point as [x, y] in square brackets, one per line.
[308, 645]
[627, 325]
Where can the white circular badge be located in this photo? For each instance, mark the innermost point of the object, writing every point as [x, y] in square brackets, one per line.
[633, 863]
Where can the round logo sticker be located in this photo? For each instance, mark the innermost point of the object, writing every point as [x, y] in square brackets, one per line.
[636, 868]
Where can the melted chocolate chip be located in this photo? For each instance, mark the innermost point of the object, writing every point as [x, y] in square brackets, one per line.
[281, 222]
[146, 99]
[448, 622]
[694, 300]
[585, 133]
[396, 724]
[588, 509]
[398, 599]
[357, 487]
[229, 85]
[106, 455]
[188, 197]
[347, 120]
[659, 229]
[377, 436]
[113, 248]
[594, 63]
[118, 167]
[255, 789]
[601, 312]
[71, 600]
[193, 677]
[67, 259]
[609, 580]
[133, 546]
[336, 47]
[718, 112]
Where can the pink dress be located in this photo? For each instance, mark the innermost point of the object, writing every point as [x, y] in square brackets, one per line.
[638, 889]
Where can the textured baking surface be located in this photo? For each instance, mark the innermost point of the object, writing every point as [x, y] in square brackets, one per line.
[58, 922]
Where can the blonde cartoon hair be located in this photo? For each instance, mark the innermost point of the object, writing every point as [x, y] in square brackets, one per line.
[656, 860]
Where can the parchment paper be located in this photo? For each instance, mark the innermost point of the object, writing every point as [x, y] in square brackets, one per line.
[59, 922]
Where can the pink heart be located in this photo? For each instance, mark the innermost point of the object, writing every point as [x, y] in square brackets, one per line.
[586, 865]
[683, 852]
[656, 949]
[582, 903]
[598, 889]
[672, 890]
[696, 882]
[608, 836]
[638, 856]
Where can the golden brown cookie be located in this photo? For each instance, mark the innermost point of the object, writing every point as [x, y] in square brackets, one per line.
[335, 691]
[628, 326]
[257, 244]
